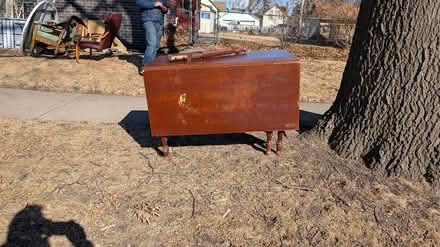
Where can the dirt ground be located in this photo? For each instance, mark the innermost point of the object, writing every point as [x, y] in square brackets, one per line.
[72, 182]
[321, 72]
[267, 40]
[104, 184]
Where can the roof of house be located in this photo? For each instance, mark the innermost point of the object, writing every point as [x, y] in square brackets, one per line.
[344, 10]
[282, 8]
[204, 2]
[220, 5]
[239, 17]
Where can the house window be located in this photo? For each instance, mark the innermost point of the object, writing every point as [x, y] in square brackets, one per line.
[205, 15]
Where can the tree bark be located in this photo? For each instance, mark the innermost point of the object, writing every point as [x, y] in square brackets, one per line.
[387, 111]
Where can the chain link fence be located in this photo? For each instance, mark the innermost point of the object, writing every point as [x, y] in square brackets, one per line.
[13, 14]
[216, 26]
[203, 24]
[322, 30]
[312, 30]
[17, 9]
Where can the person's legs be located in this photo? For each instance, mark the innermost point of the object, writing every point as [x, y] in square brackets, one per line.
[151, 40]
[159, 28]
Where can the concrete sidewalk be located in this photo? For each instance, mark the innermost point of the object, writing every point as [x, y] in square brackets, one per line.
[40, 105]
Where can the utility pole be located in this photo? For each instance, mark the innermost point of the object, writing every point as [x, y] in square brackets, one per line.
[9, 8]
[190, 22]
[2, 8]
[301, 15]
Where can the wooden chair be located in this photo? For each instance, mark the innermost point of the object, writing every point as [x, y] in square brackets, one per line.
[112, 23]
[61, 35]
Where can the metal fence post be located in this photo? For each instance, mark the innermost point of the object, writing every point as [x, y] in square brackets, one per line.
[190, 22]
[301, 16]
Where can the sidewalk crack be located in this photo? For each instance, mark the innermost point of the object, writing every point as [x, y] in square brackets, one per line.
[57, 107]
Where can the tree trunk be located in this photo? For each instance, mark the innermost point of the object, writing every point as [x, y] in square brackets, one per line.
[387, 111]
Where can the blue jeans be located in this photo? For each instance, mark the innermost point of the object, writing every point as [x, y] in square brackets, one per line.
[153, 32]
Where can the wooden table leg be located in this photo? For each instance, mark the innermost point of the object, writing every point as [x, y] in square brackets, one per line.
[281, 134]
[269, 142]
[164, 141]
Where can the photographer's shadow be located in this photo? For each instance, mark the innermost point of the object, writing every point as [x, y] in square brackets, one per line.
[137, 125]
[29, 227]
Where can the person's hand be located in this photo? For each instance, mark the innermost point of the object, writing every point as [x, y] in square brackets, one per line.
[161, 6]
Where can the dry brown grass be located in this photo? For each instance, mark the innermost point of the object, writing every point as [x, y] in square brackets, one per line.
[321, 72]
[215, 194]
[217, 190]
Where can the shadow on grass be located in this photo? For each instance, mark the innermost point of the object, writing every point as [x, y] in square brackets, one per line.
[29, 227]
[307, 120]
[136, 59]
[137, 125]
[85, 55]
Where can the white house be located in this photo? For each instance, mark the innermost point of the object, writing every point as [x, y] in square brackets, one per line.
[275, 16]
[208, 16]
[239, 21]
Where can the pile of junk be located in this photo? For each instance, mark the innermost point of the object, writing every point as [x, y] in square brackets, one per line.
[43, 34]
